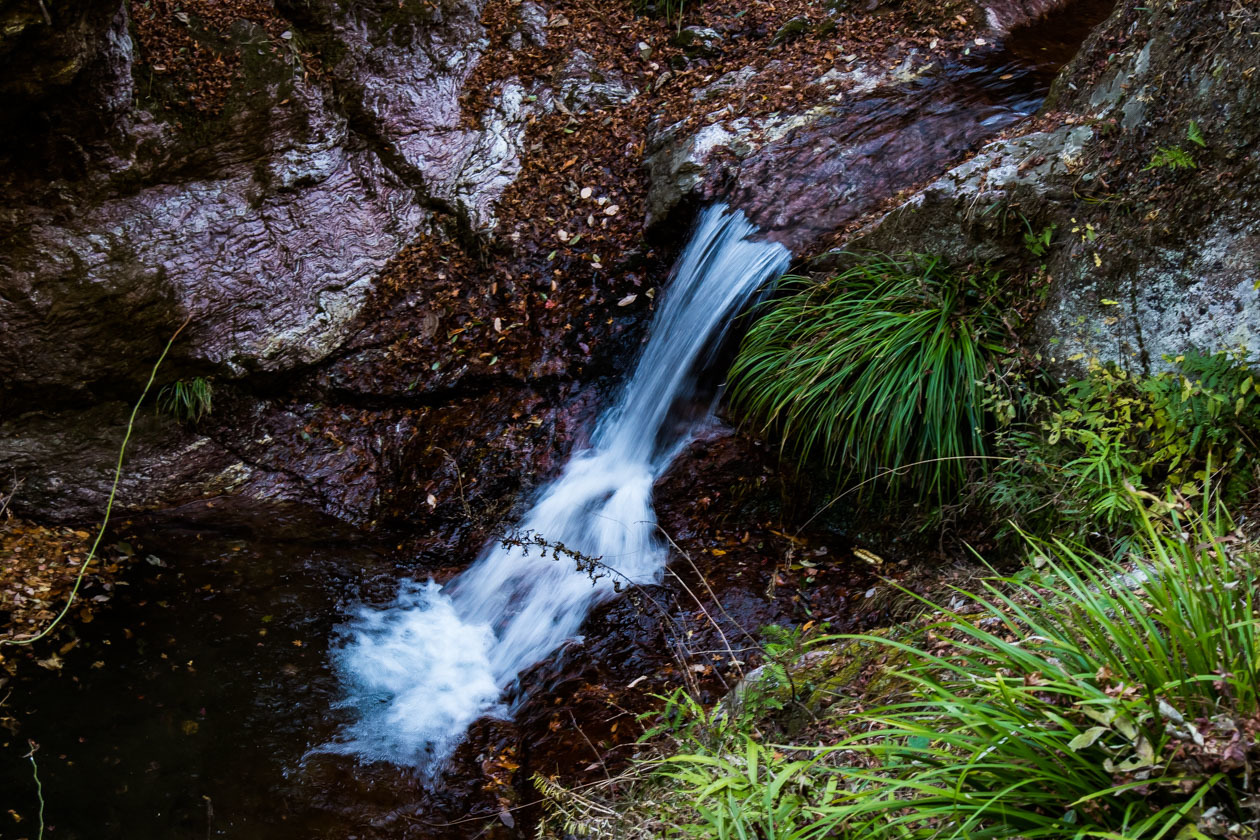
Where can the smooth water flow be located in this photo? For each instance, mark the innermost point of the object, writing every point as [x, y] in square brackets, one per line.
[422, 669]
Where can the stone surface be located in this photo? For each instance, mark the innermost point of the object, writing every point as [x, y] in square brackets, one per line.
[874, 133]
[264, 232]
[1005, 15]
[65, 463]
[1178, 269]
[262, 225]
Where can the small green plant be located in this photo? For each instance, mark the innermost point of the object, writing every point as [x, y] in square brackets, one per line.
[1084, 697]
[1195, 135]
[1171, 157]
[1038, 243]
[686, 721]
[1085, 447]
[1175, 157]
[877, 369]
[746, 793]
[104, 526]
[187, 400]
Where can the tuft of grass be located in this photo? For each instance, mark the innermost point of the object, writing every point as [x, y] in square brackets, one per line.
[875, 369]
[187, 400]
[671, 10]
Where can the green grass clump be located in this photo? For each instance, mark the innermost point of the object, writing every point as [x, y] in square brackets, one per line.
[1093, 698]
[1083, 698]
[187, 400]
[876, 369]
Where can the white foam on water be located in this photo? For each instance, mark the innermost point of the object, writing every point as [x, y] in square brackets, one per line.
[419, 671]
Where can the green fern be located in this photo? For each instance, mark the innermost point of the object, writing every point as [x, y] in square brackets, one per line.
[1171, 157]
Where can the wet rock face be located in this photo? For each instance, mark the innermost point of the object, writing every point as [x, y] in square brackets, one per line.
[66, 462]
[805, 176]
[42, 54]
[1178, 269]
[263, 226]
[838, 170]
[1005, 15]
[266, 224]
[401, 72]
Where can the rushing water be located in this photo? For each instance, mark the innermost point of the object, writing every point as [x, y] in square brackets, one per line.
[422, 669]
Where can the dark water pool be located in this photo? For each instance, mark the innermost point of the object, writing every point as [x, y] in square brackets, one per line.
[186, 710]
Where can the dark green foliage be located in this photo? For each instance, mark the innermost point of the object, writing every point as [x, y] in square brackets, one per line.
[1171, 157]
[877, 369]
[1038, 243]
[187, 400]
[1075, 460]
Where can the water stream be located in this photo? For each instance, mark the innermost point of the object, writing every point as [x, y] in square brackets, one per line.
[419, 671]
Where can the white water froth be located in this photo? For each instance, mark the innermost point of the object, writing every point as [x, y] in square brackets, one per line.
[419, 671]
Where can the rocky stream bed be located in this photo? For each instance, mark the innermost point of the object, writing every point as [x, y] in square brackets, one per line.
[418, 245]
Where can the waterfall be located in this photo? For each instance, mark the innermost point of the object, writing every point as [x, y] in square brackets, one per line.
[419, 671]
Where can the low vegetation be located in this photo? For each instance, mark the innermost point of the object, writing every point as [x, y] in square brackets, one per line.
[893, 374]
[1082, 697]
[187, 400]
[1072, 456]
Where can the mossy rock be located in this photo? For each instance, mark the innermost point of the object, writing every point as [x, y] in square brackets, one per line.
[791, 695]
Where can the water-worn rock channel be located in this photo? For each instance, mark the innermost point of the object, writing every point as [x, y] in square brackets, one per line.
[397, 387]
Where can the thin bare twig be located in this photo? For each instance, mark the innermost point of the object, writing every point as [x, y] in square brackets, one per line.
[459, 477]
[598, 756]
[721, 634]
[5, 500]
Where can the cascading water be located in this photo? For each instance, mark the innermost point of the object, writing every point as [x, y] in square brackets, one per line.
[422, 669]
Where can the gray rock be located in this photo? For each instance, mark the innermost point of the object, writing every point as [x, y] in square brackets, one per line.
[269, 248]
[264, 227]
[1004, 15]
[1201, 296]
[699, 40]
[534, 23]
[872, 133]
[581, 85]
